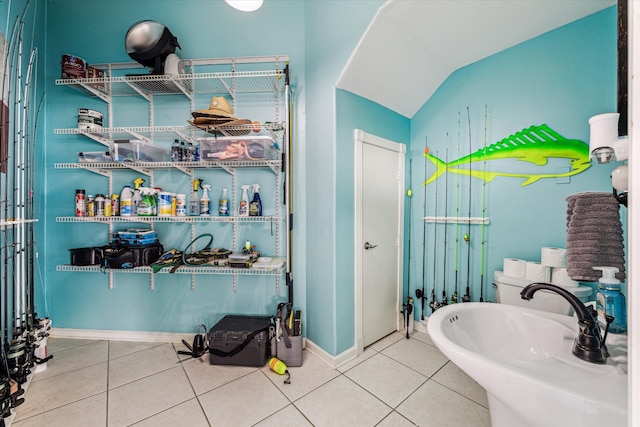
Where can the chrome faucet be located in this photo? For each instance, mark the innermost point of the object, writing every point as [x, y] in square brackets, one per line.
[589, 344]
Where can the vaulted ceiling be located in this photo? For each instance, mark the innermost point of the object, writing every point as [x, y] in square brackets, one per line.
[412, 46]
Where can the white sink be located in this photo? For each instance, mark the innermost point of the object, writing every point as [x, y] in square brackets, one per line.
[523, 358]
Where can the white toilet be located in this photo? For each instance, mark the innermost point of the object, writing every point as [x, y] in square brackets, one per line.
[508, 290]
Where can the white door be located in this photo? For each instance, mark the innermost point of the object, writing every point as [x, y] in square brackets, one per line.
[379, 227]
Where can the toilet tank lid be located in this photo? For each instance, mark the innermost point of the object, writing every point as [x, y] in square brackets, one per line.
[500, 278]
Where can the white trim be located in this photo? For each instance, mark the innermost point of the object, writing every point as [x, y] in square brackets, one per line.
[99, 334]
[360, 137]
[633, 308]
[332, 361]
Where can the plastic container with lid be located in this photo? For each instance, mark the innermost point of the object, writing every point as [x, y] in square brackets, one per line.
[611, 301]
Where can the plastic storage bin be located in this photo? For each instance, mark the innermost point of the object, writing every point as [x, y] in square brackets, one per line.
[238, 148]
[134, 150]
[94, 157]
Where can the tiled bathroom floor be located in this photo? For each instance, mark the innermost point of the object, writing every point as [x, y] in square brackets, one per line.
[395, 382]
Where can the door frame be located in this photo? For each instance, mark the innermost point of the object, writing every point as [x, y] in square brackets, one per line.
[362, 138]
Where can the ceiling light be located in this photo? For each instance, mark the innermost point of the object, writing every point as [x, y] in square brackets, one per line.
[245, 5]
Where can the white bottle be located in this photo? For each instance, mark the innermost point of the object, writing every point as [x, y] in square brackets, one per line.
[125, 201]
[243, 207]
[205, 201]
[135, 200]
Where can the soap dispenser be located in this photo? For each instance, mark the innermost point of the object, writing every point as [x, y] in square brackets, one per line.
[610, 301]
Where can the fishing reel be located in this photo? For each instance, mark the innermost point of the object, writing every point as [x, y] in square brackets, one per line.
[199, 347]
[5, 398]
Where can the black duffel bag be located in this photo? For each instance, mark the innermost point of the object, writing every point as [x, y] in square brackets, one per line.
[130, 256]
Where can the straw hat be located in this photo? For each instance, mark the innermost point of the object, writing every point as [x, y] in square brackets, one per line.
[218, 107]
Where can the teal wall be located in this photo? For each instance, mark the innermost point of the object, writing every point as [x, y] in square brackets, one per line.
[327, 53]
[560, 78]
[20, 24]
[205, 29]
[354, 112]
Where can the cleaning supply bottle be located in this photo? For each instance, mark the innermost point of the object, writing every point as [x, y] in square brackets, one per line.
[194, 203]
[175, 151]
[255, 207]
[243, 206]
[223, 203]
[145, 207]
[610, 301]
[154, 200]
[125, 201]
[205, 201]
[137, 196]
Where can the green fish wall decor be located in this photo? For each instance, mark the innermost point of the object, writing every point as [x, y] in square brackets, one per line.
[535, 145]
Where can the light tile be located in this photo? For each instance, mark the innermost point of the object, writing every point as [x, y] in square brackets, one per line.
[141, 364]
[312, 374]
[457, 380]
[188, 413]
[205, 377]
[55, 345]
[417, 355]
[425, 338]
[123, 348]
[243, 402]
[435, 405]
[387, 341]
[341, 402]
[395, 420]
[287, 417]
[74, 358]
[63, 389]
[367, 353]
[386, 379]
[149, 396]
[91, 411]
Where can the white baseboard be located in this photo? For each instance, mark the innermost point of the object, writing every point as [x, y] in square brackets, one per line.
[99, 334]
[421, 325]
[332, 361]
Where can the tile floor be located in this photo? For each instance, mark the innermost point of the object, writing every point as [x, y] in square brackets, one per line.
[395, 382]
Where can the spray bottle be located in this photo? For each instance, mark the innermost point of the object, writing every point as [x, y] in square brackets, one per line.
[145, 207]
[194, 203]
[223, 203]
[255, 207]
[610, 301]
[205, 201]
[243, 207]
[137, 196]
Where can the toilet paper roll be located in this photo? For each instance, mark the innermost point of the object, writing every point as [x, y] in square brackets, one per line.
[553, 257]
[560, 276]
[514, 267]
[537, 272]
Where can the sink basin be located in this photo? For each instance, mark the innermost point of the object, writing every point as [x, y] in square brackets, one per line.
[523, 358]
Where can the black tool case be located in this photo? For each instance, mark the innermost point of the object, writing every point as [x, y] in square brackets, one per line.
[240, 340]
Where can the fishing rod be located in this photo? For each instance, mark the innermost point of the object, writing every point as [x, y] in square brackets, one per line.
[420, 293]
[484, 206]
[454, 297]
[407, 308]
[444, 257]
[434, 304]
[467, 237]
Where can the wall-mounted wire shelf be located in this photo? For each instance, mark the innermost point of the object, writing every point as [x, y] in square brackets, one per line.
[169, 133]
[11, 222]
[183, 269]
[172, 219]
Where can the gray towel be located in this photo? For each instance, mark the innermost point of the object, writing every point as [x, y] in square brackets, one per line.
[594, 236]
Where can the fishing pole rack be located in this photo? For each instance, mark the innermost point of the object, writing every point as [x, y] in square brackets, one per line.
[257, 80]
[456, 220]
